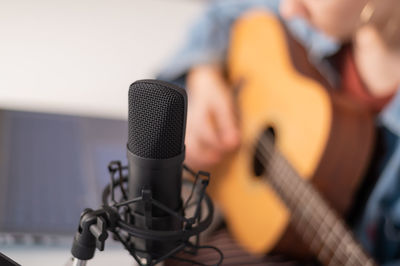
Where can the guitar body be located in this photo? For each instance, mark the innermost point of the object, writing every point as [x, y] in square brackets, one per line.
[326, 139]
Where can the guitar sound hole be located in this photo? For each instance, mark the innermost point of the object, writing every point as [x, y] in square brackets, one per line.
[259, 160]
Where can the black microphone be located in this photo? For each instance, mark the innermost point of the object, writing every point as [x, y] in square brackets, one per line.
[156, 150]
[142, 204]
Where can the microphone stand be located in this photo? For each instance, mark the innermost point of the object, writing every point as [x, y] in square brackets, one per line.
[78, 262]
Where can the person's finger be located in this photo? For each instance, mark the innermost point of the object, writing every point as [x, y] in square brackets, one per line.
[201, 156]
[200, 125]
[227, 123]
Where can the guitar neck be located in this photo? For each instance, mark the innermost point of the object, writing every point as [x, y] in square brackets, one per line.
[317, 223]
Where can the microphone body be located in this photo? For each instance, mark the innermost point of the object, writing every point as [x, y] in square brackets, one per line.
[162, 177]
[156, 151]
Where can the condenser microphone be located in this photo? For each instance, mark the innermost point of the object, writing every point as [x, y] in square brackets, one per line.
[155, 151]
[142, 205]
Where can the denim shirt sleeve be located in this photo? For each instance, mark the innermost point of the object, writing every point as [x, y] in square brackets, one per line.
[209, 37]
[390, 116]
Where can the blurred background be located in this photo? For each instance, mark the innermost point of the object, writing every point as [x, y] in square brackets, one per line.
[65, 70]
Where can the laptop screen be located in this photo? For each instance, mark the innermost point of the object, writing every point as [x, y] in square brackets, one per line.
[52, 167]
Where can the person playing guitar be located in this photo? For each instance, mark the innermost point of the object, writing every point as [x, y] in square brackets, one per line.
[354, 45]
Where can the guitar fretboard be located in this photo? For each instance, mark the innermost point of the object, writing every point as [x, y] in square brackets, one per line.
[317, 223]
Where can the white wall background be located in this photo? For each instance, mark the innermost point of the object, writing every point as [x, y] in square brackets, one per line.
[80, 56]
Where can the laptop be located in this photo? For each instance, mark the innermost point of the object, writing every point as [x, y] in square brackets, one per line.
[52, 167]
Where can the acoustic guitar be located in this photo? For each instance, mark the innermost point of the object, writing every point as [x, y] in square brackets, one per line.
[300, 140]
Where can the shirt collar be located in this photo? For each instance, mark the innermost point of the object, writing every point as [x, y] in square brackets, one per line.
[390, 116]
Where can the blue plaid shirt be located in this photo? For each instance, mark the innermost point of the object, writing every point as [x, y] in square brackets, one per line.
[379, 227]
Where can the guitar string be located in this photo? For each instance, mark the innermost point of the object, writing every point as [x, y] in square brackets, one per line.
[304, 212]
[338, 227]
[312, 197]
[306, 207]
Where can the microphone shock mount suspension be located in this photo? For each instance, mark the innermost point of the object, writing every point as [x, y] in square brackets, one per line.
[115, 216]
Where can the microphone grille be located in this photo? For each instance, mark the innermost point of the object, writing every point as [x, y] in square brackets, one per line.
[156, 119]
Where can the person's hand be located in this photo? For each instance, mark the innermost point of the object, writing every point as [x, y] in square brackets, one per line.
[212, 129]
